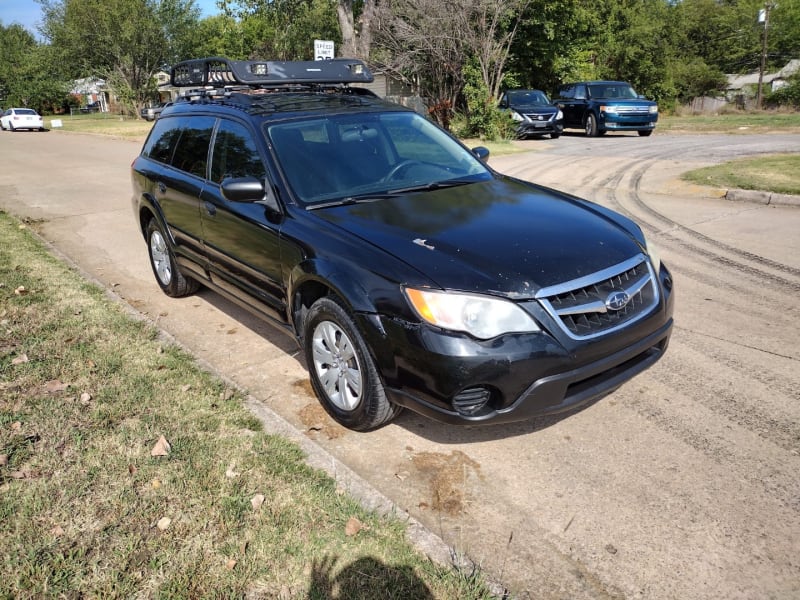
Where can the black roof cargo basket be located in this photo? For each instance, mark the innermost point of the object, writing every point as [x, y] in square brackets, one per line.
[216, 71]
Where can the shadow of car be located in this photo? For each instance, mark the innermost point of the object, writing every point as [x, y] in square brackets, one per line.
[533, 113]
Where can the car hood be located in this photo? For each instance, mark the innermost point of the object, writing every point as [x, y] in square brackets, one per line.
[501, 236]
[534, 108]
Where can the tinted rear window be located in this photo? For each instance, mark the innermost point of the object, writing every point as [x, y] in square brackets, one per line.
[181, 142]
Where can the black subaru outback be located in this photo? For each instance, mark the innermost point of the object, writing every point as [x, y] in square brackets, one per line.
[410, 273]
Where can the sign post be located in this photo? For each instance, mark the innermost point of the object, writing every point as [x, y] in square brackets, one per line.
[323, 50]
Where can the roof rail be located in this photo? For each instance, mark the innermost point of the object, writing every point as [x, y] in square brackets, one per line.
[217, 70]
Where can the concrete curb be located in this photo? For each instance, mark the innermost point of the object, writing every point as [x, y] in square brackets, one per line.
[759, 197]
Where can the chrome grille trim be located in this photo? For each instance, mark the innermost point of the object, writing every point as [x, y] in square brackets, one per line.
[581, 306]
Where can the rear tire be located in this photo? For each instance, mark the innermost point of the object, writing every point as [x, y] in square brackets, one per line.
[591, 126]
[171, 281]
[343, 374]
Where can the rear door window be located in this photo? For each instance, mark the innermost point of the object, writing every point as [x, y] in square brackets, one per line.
[191, 153]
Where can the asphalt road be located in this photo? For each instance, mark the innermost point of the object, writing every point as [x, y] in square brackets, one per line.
[682, 484]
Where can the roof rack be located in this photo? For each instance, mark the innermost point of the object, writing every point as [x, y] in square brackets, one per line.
[217, 70]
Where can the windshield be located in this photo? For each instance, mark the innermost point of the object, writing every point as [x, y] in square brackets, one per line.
[612, 90]
[351, 156]
[527, 97]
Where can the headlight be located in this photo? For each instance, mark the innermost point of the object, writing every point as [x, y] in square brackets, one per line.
[655, 256]
[608, 109]
[516, 116]
[654, 109]
[481, 316]
[559, 115]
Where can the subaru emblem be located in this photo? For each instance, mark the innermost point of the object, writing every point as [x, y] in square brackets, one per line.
[617, 300]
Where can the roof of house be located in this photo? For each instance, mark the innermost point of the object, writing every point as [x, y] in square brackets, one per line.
[737, 82]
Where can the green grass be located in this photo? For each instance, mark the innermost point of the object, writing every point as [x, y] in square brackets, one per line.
[778, 173]
[738, 122]
[85, 393]
[101, 124]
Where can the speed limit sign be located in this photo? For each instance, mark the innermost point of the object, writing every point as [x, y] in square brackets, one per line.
[323, 50]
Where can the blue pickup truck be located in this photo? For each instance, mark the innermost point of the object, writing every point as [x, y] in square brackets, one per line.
[601, 106]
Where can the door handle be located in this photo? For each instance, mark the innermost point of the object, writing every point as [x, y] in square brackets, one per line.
[210, 208]
[162, 187]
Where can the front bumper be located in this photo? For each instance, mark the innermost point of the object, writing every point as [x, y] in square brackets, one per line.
[540, 128]
[523, 375]
[614, 122]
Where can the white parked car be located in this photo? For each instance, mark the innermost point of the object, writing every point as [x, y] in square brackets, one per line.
[21, 118]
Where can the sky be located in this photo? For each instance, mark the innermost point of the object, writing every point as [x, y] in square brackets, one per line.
[28, 13]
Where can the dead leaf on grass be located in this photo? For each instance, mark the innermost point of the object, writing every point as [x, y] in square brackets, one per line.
[57, 531]
[3, 460]
[163, 523]
[16, 426]
[86, 398]
[21, 291]
[230, 472]
[162, 447]
[20, 360]
[353, 526]
[55, 386]
[256, 501]
[186, 388]
[230, 564]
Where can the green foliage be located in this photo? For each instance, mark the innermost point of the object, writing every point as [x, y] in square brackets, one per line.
[483, 118]
[788, 96]
[26, 76]
[695, 78]
[281, 29]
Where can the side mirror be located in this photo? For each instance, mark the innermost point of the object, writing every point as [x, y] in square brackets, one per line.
[482, 152]
[242, 189]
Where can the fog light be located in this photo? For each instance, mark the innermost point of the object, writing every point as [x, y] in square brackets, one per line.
[471, 401]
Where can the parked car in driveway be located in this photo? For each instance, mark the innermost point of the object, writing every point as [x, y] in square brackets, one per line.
[410, 273]
[21, 118]
[150, 113]
[92, 107]
[533, 113]
[601, 106]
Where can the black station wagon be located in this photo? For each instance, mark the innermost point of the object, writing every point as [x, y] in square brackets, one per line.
[410, 273]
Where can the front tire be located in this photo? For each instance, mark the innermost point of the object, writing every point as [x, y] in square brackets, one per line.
[645, 132]
[591, 125]
[343, 374]
[171, 281]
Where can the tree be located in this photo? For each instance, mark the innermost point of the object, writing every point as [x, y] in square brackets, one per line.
[283, 29]
[125, 42]
[356, 18]
[26, 76]
[427, 43]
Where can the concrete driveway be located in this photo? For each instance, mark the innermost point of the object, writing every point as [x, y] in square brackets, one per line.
[682, 484]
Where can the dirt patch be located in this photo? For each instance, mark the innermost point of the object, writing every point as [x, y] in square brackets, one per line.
[448, 476]
[317, 422]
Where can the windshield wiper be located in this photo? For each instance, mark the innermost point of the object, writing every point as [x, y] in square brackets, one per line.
[434, 185]
[348, 200]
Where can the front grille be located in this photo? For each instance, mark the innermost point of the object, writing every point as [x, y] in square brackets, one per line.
[538, 117]
[604, 302]
[633, 110]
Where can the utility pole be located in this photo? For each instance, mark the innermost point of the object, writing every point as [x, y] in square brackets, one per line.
[763, 16]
